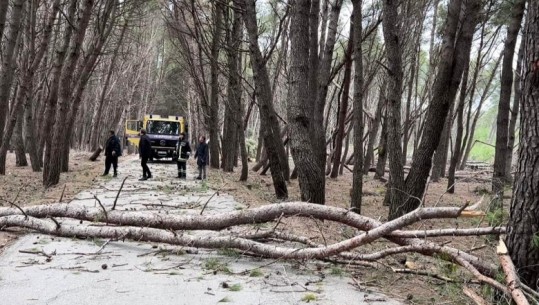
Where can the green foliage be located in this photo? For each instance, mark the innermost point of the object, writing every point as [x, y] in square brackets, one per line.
[535, 241]
[229, 252]
[309, 297]
[225, 300]
[337, 271]
[256, 273]
[216, 265]
[235, 287]
[496, 216]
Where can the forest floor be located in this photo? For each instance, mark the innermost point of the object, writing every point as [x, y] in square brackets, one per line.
[258, 191]
[415, 289]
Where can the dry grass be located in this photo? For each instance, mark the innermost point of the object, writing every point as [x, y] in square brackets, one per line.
[412, 289]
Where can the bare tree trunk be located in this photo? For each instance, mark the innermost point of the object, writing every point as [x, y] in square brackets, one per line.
[18, 142]
[357, 175]
[522, 238]
[9, 64]
[300, 108]
[382, 150]
[439, 160]
[455, 157]
[53, 158]
[499, 177]
[394, 97]
[213, 121]
[271, 131]
[3, 14]
[49, 115]
[373, 131]
[514, 112]
[454, 57]
[343, 108]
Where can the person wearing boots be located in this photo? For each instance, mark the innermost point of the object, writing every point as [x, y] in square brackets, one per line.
[202, 157]
[112, 151]
[183, 151]
[145, 152]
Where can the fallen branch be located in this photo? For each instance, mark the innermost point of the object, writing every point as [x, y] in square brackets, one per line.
[373, 228]
[425, 273]
[511, 277]
[118, 194]
[478, 300]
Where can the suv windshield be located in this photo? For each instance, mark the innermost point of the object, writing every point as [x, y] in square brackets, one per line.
[163, 127]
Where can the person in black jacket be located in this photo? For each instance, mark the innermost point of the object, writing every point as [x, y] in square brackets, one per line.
[112, 151]
[202, 157]
[145, 152]
[183, 151]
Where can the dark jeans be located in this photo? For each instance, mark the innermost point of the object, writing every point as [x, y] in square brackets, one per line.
[111, 160]
[145, 169]
[182, 169]
[202, 171]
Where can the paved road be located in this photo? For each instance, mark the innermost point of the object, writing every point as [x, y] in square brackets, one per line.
[141, 273]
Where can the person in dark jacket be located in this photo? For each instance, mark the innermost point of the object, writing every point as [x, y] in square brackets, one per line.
[202, 157]
[183, 151]
[145, 152]
[112, 151]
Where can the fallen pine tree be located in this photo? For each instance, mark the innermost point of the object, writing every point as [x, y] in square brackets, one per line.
[172, 229]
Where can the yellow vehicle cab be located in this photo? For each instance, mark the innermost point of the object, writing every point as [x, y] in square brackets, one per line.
[163, 132]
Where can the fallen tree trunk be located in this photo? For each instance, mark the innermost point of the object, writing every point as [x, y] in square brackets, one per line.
[372, 228]
[511, 277]
[96, 154]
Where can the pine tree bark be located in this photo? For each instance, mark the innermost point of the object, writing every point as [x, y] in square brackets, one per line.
[18, 142]
[343, 107]
[522, 239]
[394, 96]
[357, 174]
[300, 109]
[499, 176]
[514, 112]
[271, 132]
[213, 121]
[455, 157]
[382, 149]
[439, 159]
[9, 63]
[454, 57]
[373, 131]
[3, 16]
[53, 158]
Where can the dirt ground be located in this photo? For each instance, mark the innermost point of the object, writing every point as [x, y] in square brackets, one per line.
[26, 188]
[414, 289]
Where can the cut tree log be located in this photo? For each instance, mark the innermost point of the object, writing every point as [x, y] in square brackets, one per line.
[511, 278]
[96, 154]
[478, 300]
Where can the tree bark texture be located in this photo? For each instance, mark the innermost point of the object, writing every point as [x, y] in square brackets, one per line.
[213, 120]
[311, 174]
[523, 225]
[455, 56]
[373, 130]
[271, 132]
[499, 176]
[357, 175]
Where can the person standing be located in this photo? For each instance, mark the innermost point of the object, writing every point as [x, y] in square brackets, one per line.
[112, 151]
[183, 150]
[145, 151]
[202, 157]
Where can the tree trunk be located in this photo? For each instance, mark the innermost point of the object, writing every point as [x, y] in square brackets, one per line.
[18, 142]
[357, 102]
[343, 107]
[233, 115]
[3, 14]
[9, 63]
[268, 118]
[522, 239]
[439, 159]
[49, 114]
[394, 96]
[382, 151]
[213, 121]
[53, 159]
[514, 112]
[499, 176]
[300, 108]
[373, 131]
[455, 157]
[454, 57]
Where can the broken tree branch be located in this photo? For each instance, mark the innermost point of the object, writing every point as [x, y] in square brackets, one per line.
[511, 277]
